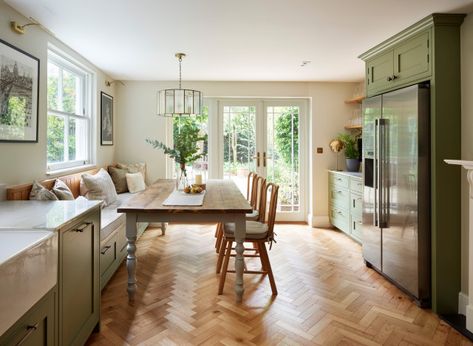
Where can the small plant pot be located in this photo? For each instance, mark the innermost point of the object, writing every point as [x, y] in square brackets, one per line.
[353, 165]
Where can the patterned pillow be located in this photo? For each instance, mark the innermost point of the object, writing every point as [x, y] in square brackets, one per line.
[62, 191]
[100, 187]
[135, 182]
[40, 193]
[119, 178]
[134, 168]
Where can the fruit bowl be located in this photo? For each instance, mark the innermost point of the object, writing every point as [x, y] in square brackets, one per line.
[194, 189]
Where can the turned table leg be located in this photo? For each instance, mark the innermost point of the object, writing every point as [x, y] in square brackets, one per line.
[131, 257]
[240, 233]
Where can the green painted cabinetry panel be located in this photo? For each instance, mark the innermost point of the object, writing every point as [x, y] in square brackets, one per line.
[37, 327]
[79, 279]
[379, 71]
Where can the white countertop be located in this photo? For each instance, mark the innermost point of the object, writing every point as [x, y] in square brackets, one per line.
[42, 214]
[351, 174]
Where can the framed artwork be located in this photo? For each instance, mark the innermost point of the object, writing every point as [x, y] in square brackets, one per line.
[19, 95]
[106, 119]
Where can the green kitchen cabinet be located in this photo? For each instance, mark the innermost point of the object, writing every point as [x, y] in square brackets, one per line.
[37, 327]
[402, 64]
[345, 200]
[79, 278]
[429, 51]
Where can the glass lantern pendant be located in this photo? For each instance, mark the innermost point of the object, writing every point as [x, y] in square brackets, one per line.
[179, 102]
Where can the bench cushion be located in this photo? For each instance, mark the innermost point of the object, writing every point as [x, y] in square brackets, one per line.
[111, 220]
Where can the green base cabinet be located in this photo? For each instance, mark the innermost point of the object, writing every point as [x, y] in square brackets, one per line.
[345, 198]
[79, 279]
[37, 327]
[429, 51]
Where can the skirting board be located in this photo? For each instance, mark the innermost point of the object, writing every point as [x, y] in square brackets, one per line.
[319, 221]
[462, 303]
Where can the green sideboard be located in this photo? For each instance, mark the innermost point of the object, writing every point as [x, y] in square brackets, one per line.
[345, 202]
[430, 51]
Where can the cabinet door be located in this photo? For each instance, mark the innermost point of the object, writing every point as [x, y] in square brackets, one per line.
[412, 59]
[37, 327]
[79, 281]
[379, 71]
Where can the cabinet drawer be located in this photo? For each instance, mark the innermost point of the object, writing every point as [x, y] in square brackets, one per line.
[108, 253]
[340, 219]
[340, 197]
[356, 185]
[339, 180]
[356, 227]
[356, 204]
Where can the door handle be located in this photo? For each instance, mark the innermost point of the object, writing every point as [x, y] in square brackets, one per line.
[29, 330]
[257, 158]
[265, 158]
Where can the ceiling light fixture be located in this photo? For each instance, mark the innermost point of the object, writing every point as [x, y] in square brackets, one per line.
[179, 102]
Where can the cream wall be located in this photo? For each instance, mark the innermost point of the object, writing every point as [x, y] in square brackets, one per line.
[23, 162]
[467, 132]
[137, 120]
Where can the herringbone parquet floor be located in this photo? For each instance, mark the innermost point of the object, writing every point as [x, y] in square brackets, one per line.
[326, 297]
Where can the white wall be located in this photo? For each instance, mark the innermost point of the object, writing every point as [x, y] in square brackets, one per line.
[467, 132]
[137, 120]
[23, 162]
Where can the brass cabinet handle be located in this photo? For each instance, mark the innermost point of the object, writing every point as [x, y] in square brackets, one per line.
[83, 226]
[30, 329]
[105, 249]
[257, 159]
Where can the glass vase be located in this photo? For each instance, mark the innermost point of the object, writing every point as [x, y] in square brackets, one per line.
[181, 177]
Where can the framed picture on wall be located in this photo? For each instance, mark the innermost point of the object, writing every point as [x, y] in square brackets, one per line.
[106, 119]
[19, 95]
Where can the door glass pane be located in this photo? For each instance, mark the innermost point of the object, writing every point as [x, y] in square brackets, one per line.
[283, 155]
[239, 143]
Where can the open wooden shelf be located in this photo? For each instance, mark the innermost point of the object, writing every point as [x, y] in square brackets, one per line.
[353, 127]
[356, 100]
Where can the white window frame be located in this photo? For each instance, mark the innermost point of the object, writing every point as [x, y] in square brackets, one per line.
[65, 62]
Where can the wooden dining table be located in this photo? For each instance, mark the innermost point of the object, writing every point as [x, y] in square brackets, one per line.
[223, 202]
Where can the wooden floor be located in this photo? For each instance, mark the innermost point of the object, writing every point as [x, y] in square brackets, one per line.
[326, 296]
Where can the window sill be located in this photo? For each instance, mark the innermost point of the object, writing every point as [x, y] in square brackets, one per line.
[71, 170]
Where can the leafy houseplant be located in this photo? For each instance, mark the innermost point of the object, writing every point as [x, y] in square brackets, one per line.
[351, 151]
[186, 150]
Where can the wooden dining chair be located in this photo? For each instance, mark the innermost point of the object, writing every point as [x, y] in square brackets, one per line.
[252, 195]
[257, 233]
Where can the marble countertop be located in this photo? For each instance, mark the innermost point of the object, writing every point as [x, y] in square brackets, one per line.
[351, 174]
[42, 214]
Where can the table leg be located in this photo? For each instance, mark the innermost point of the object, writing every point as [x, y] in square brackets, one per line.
[131, 258]
[240, 232]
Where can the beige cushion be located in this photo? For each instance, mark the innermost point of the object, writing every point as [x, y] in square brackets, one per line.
[254, 230]
[253, 216]
[100, 187]
[135, 182]
[134, 168]
[40, 193]
[62, 191]
[119, 178]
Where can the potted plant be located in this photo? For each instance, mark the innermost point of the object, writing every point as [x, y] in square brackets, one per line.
[185, 151]
[351, 151]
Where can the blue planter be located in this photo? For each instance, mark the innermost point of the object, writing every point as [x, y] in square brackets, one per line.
[353, 165]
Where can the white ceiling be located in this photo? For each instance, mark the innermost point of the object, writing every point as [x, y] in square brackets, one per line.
[236, 40]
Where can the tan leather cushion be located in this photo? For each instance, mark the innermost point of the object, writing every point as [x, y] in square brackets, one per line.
[253, 216]
[254, 230]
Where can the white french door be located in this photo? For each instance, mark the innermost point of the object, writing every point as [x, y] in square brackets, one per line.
[268, 137]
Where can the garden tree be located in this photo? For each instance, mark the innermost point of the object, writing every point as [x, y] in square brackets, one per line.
[287, 129]
[239, 136]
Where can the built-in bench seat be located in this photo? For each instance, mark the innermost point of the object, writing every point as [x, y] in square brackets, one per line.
[112, 230]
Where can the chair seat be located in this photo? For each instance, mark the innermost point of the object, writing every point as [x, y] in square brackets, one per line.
[253, 216]
[254, 230]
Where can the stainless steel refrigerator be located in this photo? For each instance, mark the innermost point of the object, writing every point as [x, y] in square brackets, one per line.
[396, 194]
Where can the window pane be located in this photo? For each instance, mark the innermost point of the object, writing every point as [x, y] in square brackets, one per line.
[77, 145]
[55, 138]
[71, 86]
[53, 81]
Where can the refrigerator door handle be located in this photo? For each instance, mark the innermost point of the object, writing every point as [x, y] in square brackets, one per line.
[376, 172]
[382, 163]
